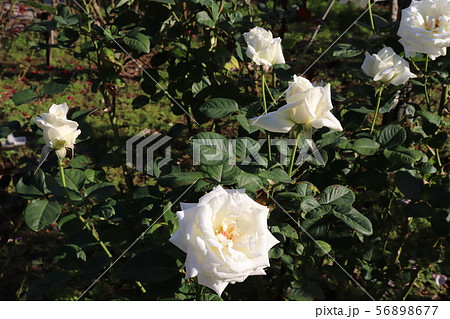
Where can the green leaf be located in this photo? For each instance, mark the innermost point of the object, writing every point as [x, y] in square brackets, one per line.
[31, 185]
[243, 121]
[75, 178]
[180, 178]
[366, 146]
[150, 266]
[337, 195]
[23, 97]
[204, 19]
[276, 175]
[347, 50]
[354, 219]
[400, 154]
[218, 108]
[223, 173]
[321, 248]
[41, 213]
[410, 186]
[288, 231]
[392, 135]
[137, 41]
[100, 191]
[209, 148]
[80, 161]
[54, 87]
[309, 203]
[68, 37]
[438, 140]
[140, 101]
[248, 181]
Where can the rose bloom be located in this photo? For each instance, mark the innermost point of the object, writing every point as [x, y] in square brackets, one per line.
[59, 132]
[262, 48]
[387, 66]
[425, 28]
[306, 104]
[225, 237]
[359, 3]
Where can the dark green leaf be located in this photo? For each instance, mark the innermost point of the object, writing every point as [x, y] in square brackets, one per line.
[366, 146]
[354, 219]
[41, 213]
[203, 18]
[402, 155]
[31, 185]
[100, 191]
[410, 186]
[137, 41]
[321, 248]
[217, 108]
[54, 87]
[249, 181]
[276, 175]
[140, 101]
[23, 97]
[209, 149]
[391, 136]
[180, 178]
[337, 195]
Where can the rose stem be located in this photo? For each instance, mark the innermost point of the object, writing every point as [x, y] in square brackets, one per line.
[294, 152]
[263, 92]
[444, 98]
[425, 84]
[93, 232]
[371, 15]
[377, 108]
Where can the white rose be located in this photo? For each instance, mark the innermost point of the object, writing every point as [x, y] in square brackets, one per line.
[59, 132]
[387, 66]
[425, 28]
[359, 3]
[306, 104]
[262, 48]
[225, 237]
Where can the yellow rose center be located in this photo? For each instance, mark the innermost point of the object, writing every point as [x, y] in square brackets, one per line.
[431, 23]
[227, 231]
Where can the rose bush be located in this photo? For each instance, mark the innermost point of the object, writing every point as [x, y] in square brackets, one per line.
[225, 237]
[368, 219]
[387, 67]
[425, 28]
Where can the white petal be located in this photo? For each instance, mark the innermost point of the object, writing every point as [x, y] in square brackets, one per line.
[328, 120]
[277, 121]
